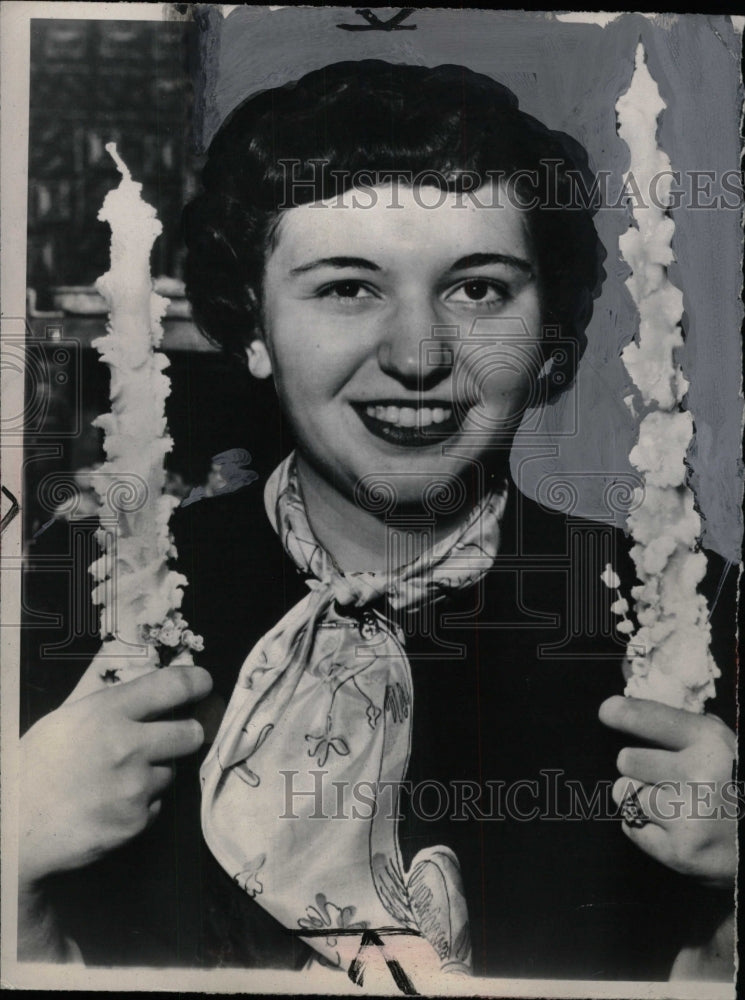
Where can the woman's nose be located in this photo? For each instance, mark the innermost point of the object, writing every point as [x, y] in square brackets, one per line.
[415, 348]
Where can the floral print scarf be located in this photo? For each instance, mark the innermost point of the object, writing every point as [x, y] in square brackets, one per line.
[299, 794]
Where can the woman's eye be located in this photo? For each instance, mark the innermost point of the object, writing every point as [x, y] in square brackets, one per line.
[479, 291]
[348, 291]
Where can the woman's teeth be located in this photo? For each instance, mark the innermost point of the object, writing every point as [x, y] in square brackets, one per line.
[408, 416]
[409, 426]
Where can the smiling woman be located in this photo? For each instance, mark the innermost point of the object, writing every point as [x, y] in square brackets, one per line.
[390, 245]
[401, 326]
[392, 624]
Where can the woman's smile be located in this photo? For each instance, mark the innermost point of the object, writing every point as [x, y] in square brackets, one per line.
[409, 424]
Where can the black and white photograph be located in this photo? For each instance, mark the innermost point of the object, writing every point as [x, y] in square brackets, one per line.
[372, 494]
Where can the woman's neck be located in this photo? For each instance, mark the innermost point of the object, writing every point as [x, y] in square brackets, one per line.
[357, 539]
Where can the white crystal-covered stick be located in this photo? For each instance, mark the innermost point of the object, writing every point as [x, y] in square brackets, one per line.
[138, 592]
[668, 656]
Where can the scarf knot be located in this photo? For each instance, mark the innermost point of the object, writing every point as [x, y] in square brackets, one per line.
[323, 702]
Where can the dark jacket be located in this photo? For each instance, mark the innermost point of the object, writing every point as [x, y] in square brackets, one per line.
[508, 677]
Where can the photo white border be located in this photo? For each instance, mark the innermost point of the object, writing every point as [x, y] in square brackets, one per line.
[15, 18]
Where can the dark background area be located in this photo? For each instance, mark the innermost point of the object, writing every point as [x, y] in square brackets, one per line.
[94, 82]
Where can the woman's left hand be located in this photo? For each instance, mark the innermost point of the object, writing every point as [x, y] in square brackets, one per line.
[684, 783]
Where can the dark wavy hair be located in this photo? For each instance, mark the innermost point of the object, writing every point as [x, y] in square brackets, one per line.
[314, 138]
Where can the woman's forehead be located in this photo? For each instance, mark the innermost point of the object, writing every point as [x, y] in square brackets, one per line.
[391, 221]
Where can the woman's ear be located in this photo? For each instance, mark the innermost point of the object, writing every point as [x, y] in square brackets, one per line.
[259, 362]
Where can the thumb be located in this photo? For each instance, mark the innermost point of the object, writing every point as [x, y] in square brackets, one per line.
[159, 691]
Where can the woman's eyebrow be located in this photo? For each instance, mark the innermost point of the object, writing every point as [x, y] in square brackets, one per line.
[367, 265]
[481, 259]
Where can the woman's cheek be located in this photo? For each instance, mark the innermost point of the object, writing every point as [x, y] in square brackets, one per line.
[501, 392]
[508, 388]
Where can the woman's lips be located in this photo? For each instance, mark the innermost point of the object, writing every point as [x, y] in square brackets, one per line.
[410, 426]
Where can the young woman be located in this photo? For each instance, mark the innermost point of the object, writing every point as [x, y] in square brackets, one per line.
[411, 756]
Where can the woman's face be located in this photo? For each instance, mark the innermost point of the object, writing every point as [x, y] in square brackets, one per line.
[403, 338]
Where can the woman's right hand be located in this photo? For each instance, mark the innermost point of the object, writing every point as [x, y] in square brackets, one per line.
[93, 771]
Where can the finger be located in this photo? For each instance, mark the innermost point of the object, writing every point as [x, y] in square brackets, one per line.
[161, 690]
[651, 839]
[160, 778]
[162, 741]
[660, 804]
[673, 728]
[624, 787]
[649, 766]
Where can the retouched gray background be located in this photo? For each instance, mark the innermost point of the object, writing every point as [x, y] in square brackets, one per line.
[569, 76]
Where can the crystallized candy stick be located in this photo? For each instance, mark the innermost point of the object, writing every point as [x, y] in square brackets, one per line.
[668, 657]
[135, 588]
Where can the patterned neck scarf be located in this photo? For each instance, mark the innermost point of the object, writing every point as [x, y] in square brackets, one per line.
[299, 790]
